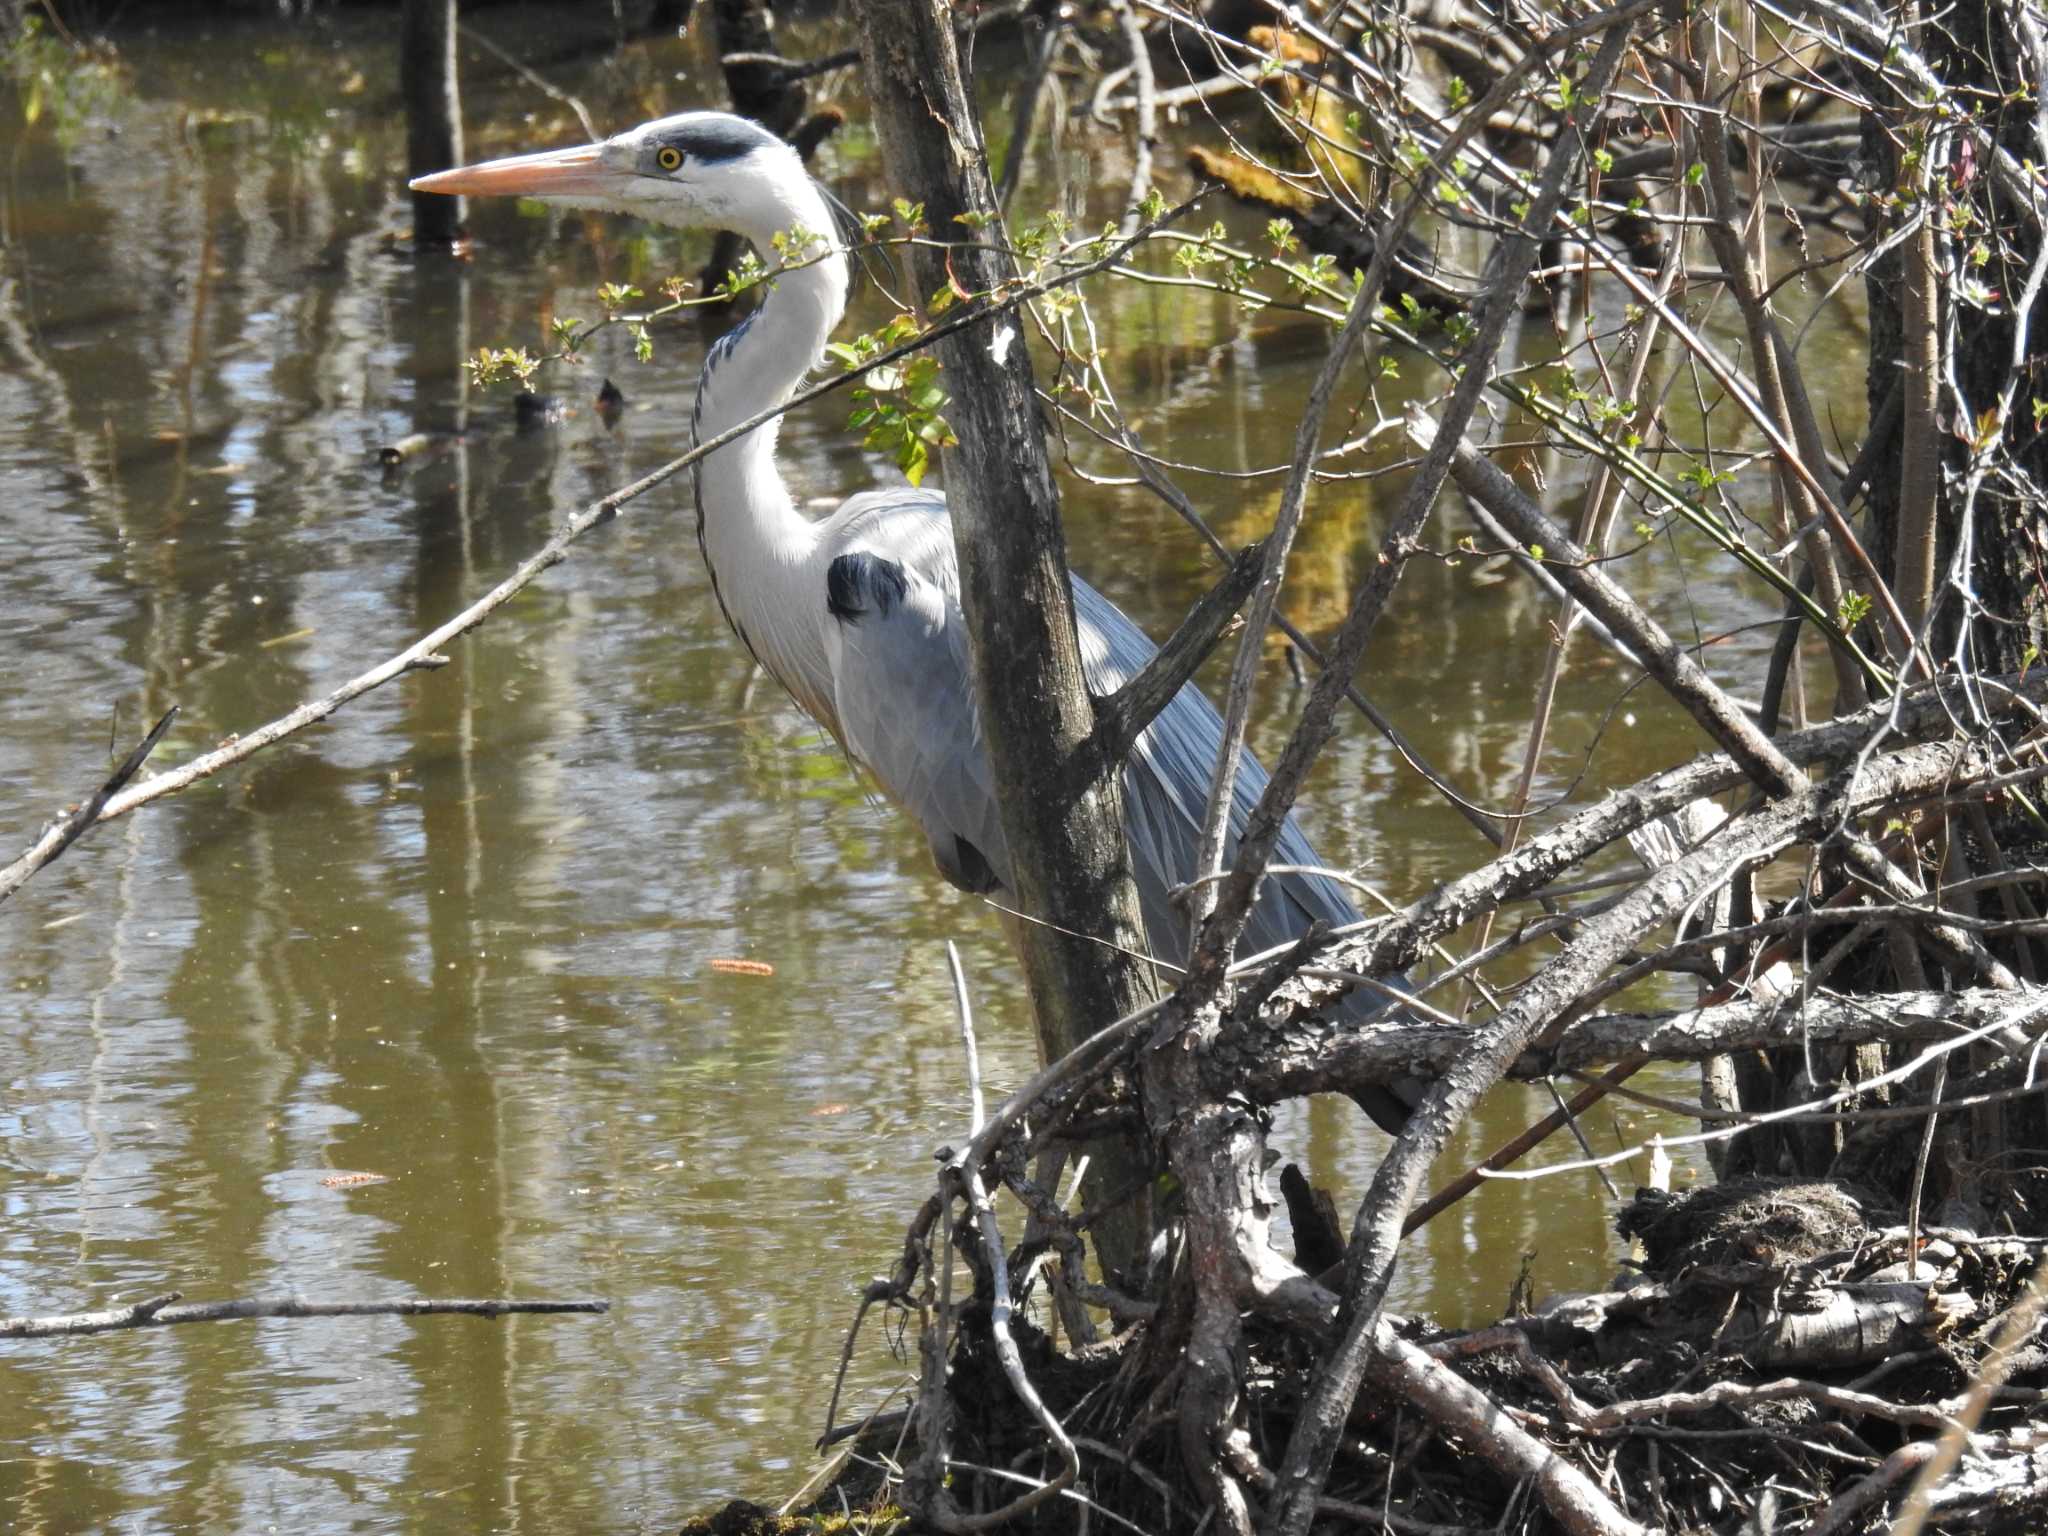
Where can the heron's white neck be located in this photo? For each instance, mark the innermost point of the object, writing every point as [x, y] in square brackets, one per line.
[755, 542]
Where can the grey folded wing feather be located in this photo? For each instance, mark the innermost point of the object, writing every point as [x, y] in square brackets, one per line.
[898, 650]
[1166, 787]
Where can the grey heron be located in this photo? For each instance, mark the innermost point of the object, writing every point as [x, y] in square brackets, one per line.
[858, 614]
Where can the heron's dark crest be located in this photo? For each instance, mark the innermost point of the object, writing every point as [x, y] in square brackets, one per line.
[857, 243]
[713, 139]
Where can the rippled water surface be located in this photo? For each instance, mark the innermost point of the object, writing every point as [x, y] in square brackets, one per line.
[460, 935]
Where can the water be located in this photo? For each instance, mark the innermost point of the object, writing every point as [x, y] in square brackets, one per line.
[461, 935]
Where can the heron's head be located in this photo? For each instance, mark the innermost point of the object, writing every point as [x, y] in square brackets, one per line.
[693, 170]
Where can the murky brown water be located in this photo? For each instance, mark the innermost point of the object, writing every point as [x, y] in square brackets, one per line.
[460, 935]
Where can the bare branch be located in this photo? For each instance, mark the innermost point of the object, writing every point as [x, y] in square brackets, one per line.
[1663, 657]
[160, 1312]
[1122, 718]
[69, 828]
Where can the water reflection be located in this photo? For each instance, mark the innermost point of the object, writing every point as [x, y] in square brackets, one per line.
[459, 936]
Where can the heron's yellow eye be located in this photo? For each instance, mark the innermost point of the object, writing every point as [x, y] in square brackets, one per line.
[668, 157]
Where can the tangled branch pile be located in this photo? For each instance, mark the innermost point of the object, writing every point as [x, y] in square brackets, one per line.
[1834, 1333]
[1777, 1322]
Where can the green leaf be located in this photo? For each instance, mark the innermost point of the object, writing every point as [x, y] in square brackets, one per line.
[913, 459]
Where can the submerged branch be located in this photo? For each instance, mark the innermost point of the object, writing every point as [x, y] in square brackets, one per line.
[164, 1312]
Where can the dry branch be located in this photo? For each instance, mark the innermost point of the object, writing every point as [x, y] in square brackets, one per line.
[1298, 1062]
[165, 1312]
[74, 824]
[1454, 1404]
[1384, 947]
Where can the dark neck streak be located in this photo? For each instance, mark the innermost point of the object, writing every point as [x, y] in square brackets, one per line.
[721, 349]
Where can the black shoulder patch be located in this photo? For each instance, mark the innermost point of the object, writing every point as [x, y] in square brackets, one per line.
[716, 137]
[857, 581]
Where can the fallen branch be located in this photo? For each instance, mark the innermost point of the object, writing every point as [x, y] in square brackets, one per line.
[1461, 1409]
[69, 828]
[1313, 1060]
[1382, 948]
[162, 1312]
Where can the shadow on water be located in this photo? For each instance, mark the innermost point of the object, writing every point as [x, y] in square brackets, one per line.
[459, 936]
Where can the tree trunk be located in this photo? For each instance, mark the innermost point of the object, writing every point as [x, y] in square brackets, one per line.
[1948, 477]
[433, 114]
[758, 91]
[1061, 798]
[1978, 57]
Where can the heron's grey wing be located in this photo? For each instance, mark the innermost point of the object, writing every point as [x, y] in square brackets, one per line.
[898, 651]
[1166, 786]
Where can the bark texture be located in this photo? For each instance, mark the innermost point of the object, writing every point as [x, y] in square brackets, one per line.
[1061, 799]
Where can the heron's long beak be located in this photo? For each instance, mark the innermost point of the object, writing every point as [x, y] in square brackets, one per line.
[551, 173]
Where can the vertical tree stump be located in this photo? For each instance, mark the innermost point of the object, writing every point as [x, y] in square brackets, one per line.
[433, 114]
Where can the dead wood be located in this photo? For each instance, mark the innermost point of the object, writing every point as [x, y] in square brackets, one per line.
[167, 1311]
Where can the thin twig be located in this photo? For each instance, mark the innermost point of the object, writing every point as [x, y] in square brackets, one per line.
[537, 81]
[1147, 127]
